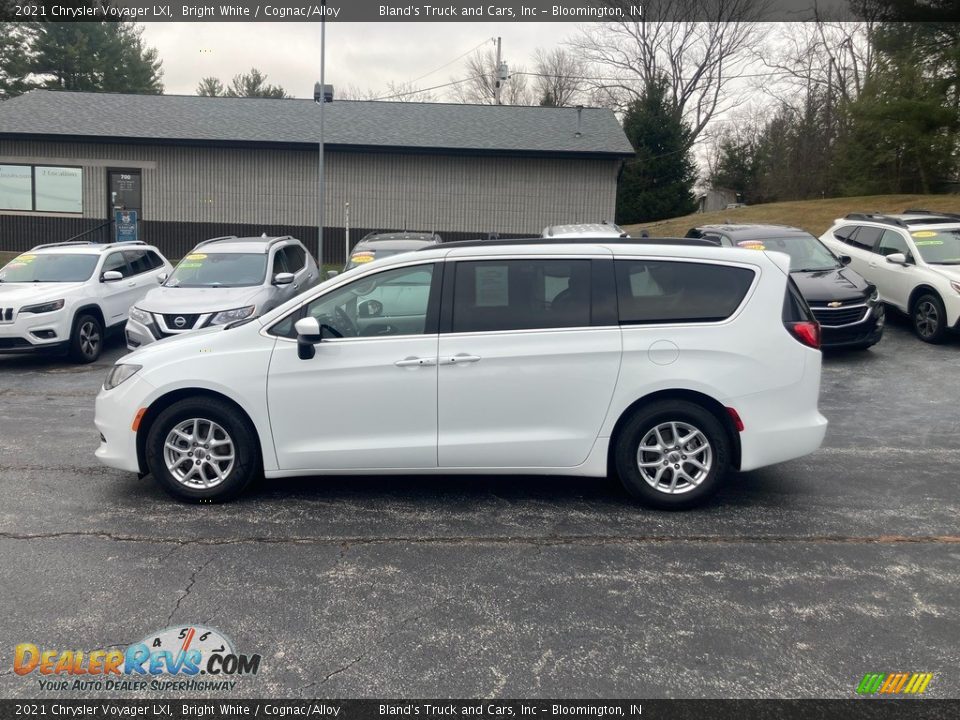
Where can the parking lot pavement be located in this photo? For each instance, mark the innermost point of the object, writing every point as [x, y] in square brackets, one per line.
[795, 582]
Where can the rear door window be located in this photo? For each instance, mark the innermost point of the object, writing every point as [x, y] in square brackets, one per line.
[494, 295]
[664, 291]
[865, 238]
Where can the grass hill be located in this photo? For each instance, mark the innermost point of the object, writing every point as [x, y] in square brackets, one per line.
[814, 216]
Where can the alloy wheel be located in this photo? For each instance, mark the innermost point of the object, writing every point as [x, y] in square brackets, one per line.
[926, 318]
[674, 457]
[89, 339]
[199, 453]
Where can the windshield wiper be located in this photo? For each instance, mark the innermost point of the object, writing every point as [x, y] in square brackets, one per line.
[944, 262]
[815, 269]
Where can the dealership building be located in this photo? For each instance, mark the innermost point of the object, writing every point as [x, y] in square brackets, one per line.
[199, 167]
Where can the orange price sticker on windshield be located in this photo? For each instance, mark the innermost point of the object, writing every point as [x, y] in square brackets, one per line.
[752, 245]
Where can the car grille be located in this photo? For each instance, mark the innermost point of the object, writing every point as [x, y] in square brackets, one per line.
[6, 315]
[834, 317]
[187, 324]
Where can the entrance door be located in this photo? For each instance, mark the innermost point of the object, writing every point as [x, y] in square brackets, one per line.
[123, 193]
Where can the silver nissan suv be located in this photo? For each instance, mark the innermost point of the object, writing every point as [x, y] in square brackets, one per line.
[221, 281]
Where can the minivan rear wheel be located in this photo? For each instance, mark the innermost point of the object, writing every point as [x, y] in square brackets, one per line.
[672, 454]
[202, 450]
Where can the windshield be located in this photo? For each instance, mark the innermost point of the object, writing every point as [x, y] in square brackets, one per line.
[807, 254]
[49, 267]
[219, 270]
[938, 247]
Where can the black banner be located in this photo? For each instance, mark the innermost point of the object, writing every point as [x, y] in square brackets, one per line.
[855, 709]
[465, 10]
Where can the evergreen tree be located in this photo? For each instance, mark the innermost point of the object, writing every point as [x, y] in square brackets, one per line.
[86, 57]
[657, 183]
[254, 84]
[210, 87]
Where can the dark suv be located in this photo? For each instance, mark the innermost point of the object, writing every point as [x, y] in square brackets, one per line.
[847, 307]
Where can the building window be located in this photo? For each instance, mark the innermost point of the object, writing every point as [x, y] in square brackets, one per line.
[16, 187]
[43, 188]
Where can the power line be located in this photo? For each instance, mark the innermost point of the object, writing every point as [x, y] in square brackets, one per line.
[459, 57]
[419, 90]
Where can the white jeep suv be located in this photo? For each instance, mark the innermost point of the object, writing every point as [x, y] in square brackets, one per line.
[68, 296]
[914, 260]
[666, 364]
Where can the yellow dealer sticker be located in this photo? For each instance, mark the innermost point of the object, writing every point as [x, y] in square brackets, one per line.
[924, 233]
[361, 258]
[196, 256]
[752, 245]
[25, 258]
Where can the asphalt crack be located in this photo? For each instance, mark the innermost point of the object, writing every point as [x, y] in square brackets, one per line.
[188, 588]
[367, 653]
[480, 540]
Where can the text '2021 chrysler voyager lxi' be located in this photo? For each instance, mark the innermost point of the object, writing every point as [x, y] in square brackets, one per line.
[667, 365]
[220, 281]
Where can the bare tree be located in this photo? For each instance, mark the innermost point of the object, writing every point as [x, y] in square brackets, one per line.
[701, 59]
[395, 92]
[560, 77]
[479, 85]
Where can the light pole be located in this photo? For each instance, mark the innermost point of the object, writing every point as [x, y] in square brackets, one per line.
[323, 101]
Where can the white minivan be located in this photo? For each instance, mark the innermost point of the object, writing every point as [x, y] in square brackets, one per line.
[667, 365]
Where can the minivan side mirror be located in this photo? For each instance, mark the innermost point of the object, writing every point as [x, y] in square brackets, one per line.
[845, 259]
[111, 276]
[162, 278]
[283, 278]
[308, 335]
[897, 258]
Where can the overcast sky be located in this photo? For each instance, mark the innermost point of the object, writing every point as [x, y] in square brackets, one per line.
[366, 55]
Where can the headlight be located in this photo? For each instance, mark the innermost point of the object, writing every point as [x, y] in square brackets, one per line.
[228, 316]
[141, 316]
[118, 374]
[955, 286]
[43, 307]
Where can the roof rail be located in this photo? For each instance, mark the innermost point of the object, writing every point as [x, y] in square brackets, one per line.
[920, 211]
[64, 243]
[698, 242]
[875, 217]
[213, 240]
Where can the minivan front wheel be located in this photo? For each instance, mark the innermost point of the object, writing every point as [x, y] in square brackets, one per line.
[672, 454]
[202, 450]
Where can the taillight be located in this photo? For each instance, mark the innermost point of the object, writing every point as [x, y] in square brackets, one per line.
[807, 332]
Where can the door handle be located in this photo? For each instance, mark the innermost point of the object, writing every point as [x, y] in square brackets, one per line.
[296, 286]
[416, 362]
[459, 359]
[131, 284]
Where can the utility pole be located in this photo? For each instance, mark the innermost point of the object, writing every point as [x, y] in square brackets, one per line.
[346, 234]
[497, 80]
[322, 101]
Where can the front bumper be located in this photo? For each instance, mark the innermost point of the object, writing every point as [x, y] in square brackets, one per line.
[49, 332]
[114, 417]
[137, 334]
[859, 334]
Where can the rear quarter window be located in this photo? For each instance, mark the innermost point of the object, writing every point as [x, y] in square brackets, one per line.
[665, 291]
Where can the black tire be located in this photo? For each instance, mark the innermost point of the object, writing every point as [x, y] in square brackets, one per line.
[929, 319]
[86, 338]
[208, 412]
[687, 493]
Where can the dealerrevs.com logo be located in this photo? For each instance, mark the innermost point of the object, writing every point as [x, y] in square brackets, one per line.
[174, 659]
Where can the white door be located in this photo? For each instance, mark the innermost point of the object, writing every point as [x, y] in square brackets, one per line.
[525, 379]
[894, 281]
[118, 295]
[368, 399]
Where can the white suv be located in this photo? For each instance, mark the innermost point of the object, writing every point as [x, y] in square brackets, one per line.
[913, 259]
[667, 365]
[67, 296]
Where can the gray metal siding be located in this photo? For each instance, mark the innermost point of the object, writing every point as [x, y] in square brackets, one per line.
[385, 190]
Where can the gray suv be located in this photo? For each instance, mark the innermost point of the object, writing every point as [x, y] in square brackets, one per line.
[221, 281]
